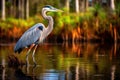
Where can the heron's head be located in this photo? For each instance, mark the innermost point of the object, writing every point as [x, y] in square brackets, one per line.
[51, 8]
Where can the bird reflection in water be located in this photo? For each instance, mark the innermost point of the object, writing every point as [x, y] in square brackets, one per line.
[50, 74]
[16, 65]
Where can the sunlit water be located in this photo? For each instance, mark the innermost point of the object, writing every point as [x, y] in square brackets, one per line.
[64, 62]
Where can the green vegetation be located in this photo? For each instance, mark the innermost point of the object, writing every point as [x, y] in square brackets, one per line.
[94, 24]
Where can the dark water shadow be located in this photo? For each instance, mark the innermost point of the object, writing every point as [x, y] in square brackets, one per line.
[16, 65]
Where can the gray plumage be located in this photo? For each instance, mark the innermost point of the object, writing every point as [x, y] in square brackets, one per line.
[31, 36]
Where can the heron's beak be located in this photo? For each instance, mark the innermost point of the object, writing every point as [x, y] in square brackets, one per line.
[59, 10]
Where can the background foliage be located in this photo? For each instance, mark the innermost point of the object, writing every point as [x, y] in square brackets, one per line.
[97, 22]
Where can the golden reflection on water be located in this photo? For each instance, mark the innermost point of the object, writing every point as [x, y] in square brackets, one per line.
[78, 61]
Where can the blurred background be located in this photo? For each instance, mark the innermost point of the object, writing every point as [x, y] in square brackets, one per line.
[82, 20]
[75, 50]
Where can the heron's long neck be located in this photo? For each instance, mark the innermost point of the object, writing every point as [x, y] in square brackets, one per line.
[50, 22]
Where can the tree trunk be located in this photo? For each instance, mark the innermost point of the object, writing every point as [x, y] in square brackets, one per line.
[86, 5]
[14, 8]
[82, 5]
[3, 9]
[27, 9]
[77, 6]
[22, 3]
[112, 6]
[115, 34]
[19, 8]
[67, 5]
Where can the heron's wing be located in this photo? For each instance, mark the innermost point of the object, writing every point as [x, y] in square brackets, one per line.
[31, 36]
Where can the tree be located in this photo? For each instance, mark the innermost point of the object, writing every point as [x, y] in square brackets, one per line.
[19, 8]
[112, 5]
[86, 5]
[67, 5]
[3, 9]
[82, 5]
[27, 9]
[77, 6]
[23, 10]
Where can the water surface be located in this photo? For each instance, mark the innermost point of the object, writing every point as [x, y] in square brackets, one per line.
[81, 61]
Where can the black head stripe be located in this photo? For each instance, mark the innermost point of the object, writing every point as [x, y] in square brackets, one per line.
[48, 6]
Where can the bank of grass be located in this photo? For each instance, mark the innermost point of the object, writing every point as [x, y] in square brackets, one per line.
[94, 24]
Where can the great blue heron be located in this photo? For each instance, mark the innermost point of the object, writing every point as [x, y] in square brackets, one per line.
[36, 34]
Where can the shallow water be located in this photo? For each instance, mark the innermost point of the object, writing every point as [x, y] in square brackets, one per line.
[81, 61]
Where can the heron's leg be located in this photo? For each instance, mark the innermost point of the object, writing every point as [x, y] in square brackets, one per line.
[34, 54]
[27, 62]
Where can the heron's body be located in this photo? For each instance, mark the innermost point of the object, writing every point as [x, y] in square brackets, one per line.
[36, 34]
[31, 36]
